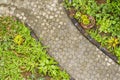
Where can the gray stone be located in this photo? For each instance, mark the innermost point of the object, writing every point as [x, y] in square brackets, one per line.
[81, 59]
[3, 1]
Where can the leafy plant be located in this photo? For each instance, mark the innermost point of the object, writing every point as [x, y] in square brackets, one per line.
[18, 39]
[77, 16]
[113, 42]
[104, 25]
[85, 19]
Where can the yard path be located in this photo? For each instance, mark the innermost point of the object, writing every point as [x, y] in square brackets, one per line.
[48, 19]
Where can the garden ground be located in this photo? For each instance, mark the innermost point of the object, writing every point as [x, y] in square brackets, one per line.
[81, 59]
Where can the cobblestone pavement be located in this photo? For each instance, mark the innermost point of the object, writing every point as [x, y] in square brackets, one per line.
[81, 59]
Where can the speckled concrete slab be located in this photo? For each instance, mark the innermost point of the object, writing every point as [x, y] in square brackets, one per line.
[3, 1]
[81, 59]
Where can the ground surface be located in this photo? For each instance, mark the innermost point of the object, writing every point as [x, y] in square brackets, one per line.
[81, 59]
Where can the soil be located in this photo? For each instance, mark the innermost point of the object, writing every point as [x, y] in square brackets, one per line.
[47, 78]
[72, 12]
[26, 74]
[101, 1]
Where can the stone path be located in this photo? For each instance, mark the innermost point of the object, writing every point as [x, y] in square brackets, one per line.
[81, 59]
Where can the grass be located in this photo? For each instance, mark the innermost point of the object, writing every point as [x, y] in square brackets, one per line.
[22, 57]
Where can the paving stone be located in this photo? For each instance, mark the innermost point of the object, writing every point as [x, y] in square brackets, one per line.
[48, 19]
[3, 1]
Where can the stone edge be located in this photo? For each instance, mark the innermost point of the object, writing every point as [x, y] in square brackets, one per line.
[33, 34]
[88, 37]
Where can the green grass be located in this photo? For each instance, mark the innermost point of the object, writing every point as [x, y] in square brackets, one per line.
[21, 56]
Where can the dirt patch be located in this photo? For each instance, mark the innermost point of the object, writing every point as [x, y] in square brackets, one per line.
[101, 1]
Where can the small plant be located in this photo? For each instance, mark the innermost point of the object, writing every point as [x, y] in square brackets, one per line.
[18, 39]
[85, 19]
[87, 22]
[77, 16]
[113, 42]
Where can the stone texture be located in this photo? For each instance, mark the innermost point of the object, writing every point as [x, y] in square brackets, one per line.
[81, 59]
[3, 1]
